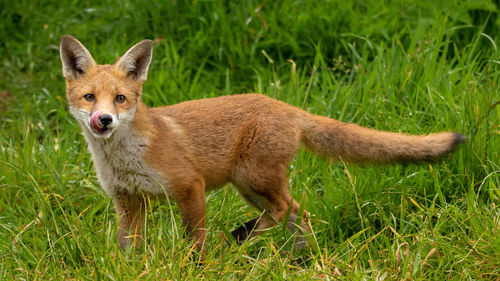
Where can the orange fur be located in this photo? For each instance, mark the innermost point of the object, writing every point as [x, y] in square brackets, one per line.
[185, 149]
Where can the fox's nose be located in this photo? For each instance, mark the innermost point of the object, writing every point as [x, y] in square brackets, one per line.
[105, 119]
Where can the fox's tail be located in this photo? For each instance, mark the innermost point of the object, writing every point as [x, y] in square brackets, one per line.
[353, 143]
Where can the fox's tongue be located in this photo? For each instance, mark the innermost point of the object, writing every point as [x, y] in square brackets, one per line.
[94, 121]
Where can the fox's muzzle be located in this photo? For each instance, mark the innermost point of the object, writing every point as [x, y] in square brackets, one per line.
[105, 120]
[100, 122]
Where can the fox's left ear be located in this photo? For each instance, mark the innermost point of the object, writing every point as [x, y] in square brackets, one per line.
[135, 62]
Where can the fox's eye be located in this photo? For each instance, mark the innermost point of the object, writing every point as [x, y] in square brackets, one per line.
[120, 98]
[89, 97]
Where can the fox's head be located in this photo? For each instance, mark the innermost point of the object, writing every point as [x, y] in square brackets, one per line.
[104, 98]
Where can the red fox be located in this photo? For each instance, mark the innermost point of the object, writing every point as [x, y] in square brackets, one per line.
[184, 150]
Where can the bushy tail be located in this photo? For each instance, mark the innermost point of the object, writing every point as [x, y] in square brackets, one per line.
[353, 143]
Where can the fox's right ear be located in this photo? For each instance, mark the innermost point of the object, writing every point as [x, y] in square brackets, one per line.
[76, 59]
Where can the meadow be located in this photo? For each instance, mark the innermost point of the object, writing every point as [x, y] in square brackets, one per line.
[406, 66]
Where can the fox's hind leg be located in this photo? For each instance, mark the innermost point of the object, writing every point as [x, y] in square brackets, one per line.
[266, 188]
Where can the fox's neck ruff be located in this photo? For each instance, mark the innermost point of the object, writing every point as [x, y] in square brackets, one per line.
[119, 160]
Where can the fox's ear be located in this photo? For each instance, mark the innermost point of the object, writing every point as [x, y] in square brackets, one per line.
[135, 62]
[76, 59]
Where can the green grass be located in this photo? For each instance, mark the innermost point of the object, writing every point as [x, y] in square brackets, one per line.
[408, 66]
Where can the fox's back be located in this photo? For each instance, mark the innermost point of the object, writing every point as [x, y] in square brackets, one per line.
[221, 119]
[236, 108]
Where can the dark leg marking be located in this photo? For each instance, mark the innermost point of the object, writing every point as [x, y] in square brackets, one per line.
[241, 233]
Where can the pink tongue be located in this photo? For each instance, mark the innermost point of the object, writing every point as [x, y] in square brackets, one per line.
[94, 120]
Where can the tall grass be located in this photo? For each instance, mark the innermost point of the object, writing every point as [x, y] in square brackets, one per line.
[408, 66]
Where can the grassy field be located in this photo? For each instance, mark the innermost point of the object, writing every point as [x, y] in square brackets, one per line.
[408, 66]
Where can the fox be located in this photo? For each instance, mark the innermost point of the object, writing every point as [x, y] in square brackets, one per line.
[184, 150]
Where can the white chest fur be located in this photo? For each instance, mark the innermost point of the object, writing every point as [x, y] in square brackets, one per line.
[120, 166]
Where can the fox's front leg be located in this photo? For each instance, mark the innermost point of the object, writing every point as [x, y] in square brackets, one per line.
[191, 202]
[130, 210]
